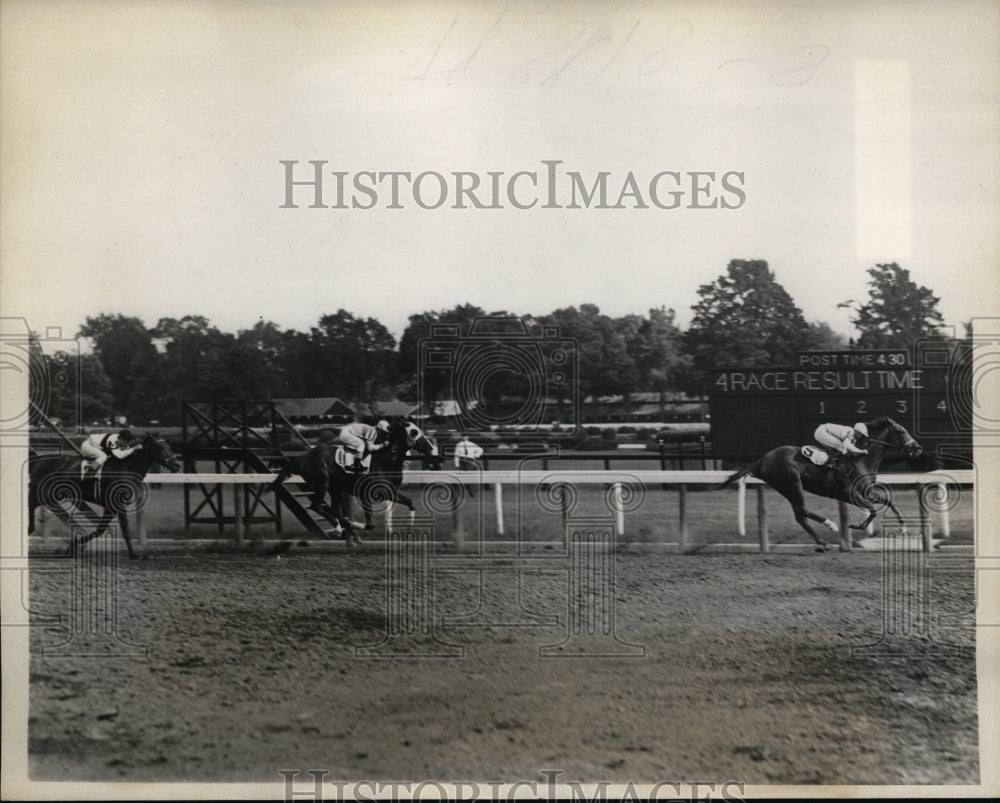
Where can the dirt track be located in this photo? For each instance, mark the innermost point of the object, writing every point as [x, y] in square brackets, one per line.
[744, 672]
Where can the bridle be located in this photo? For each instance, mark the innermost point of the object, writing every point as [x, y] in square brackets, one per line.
[165, 456]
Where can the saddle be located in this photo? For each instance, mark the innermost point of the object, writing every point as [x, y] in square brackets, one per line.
[341, 459]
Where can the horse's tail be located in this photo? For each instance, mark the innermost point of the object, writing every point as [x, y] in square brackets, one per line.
[732, 478]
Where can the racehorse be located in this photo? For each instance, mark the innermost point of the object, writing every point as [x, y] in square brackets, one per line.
[119, 483]
[321, 472]
[791, 473]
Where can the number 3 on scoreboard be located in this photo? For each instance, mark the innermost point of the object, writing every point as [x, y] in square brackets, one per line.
[901, 406]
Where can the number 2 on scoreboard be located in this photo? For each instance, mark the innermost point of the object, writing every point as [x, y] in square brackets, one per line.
[862, 407]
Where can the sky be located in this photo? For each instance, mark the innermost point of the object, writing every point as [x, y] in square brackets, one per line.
[142, 147]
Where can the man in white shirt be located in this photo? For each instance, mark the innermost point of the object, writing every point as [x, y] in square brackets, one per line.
[467, 455]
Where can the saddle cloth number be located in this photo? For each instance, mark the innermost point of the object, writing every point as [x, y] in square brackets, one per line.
[84, 465]
[818, 456]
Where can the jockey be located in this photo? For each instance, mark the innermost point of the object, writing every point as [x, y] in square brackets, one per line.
[98, 448]
[359, 439]
[841, 440]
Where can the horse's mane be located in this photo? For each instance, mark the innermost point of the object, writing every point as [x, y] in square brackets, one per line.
[884, 422]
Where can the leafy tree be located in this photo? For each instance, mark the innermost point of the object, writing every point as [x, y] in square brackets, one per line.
[605, 365]
[267, 361]
[898, 312]
[820, 337]
[86, 390]
[422, 338]
[655, 345]
[744, 318]
[130, 360]
[354, 356]
[194, 362]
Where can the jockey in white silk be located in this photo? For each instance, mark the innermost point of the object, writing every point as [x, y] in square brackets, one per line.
[359, 440]
[841, 440]
[99, 447]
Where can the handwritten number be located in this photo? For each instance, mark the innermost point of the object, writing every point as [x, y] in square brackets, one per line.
[657, 59]
[582, 28]
[601, 36]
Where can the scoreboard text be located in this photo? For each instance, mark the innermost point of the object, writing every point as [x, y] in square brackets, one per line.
[754, 410]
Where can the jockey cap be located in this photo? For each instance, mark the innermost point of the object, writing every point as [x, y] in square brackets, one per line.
[862, 428]
[125, 435]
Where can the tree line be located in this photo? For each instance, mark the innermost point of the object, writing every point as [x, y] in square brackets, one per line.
[744, 317]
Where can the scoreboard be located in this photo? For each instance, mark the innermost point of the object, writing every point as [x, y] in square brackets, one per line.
[754, 410]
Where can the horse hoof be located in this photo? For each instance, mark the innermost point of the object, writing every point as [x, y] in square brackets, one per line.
[822, 548]
[369, 527]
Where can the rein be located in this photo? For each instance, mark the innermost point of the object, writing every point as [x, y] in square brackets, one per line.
[882, 443]
[889, 445]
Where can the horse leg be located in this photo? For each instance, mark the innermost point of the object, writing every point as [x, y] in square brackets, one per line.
[340, 515]
[123, 523]
[352, 537]
[318, 496]
[336, 516]
[401, 497]
[366, 507]
[796, 498]
[32, 504]
[404, 499]
[872, 512]
[79, 542]
[899, 518]
[858, 495]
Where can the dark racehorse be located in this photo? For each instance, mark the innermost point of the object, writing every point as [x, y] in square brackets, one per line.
[55, 479]
[320, 471]
[790, 473]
